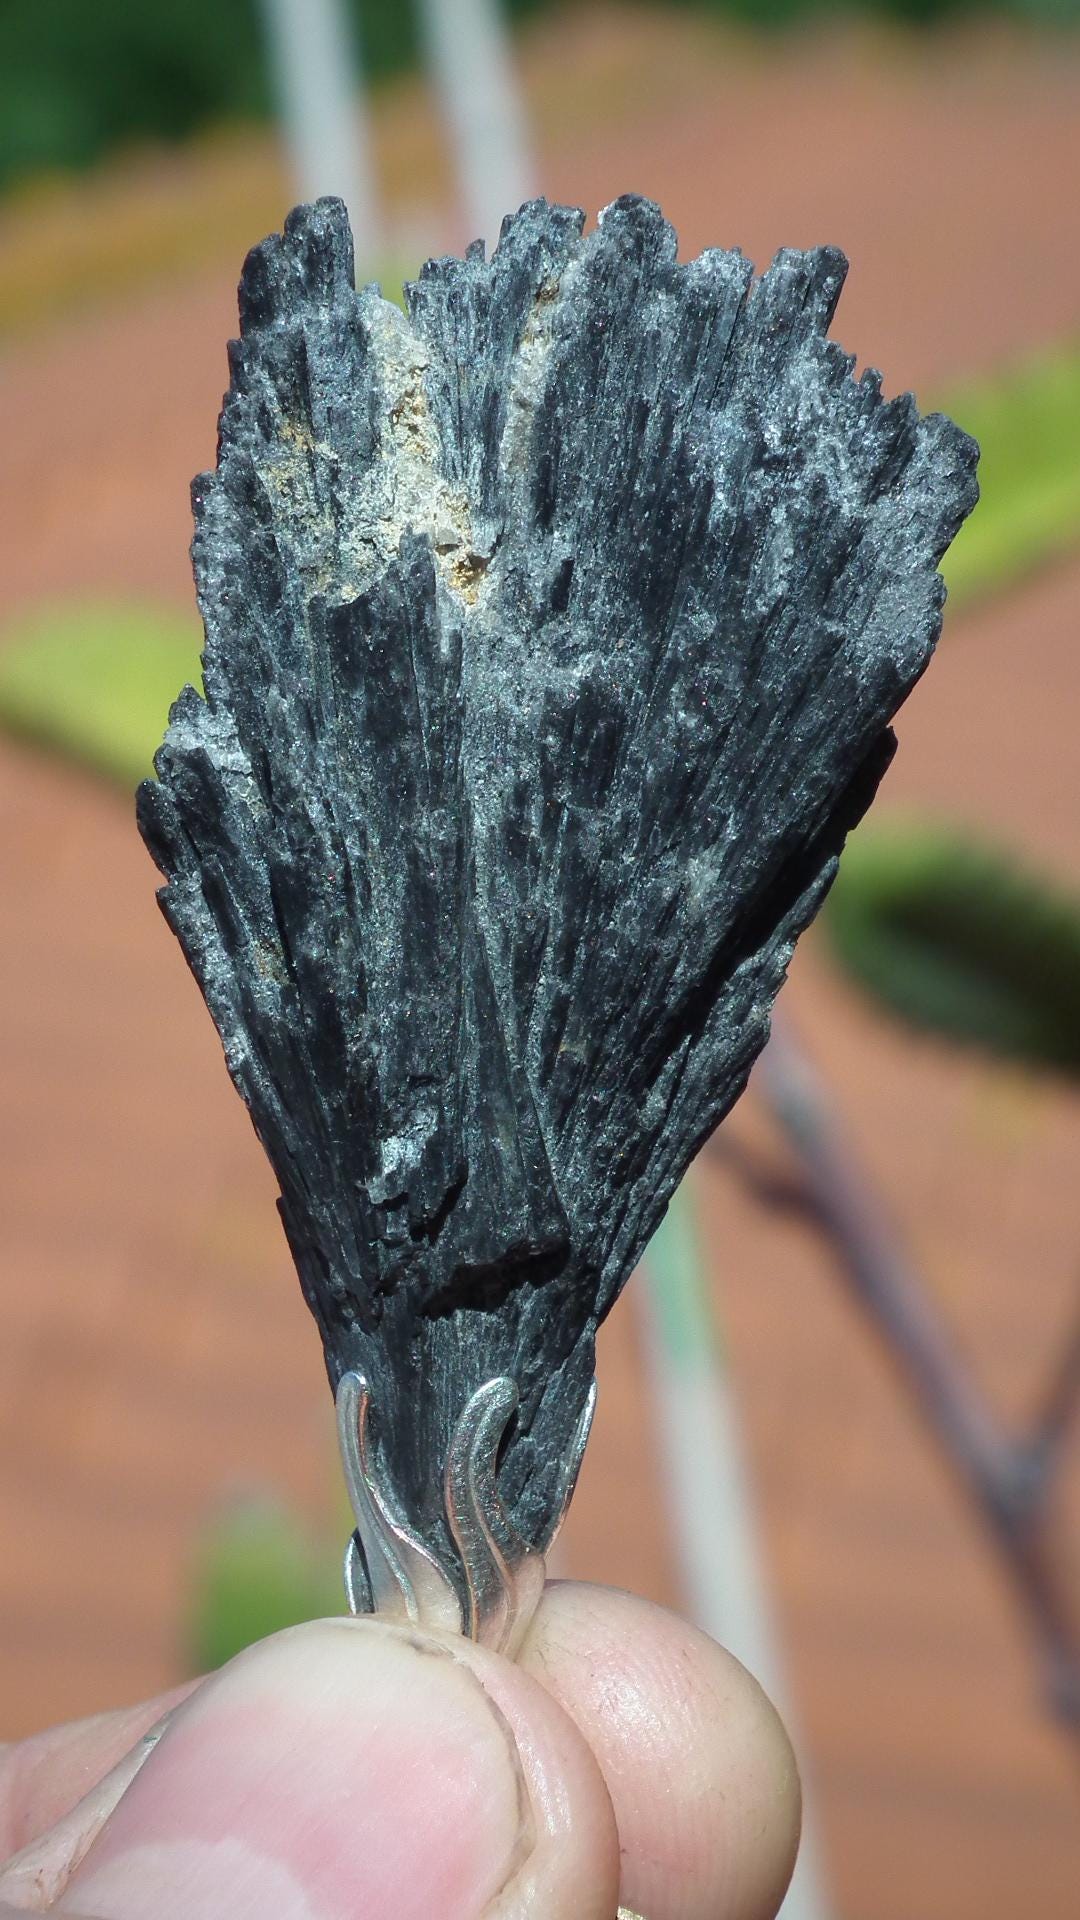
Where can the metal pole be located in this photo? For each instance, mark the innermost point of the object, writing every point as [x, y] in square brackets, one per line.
[708, 1493]
[472, 65]
[323, 112]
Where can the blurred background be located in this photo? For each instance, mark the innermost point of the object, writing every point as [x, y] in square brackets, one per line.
[836, 1418]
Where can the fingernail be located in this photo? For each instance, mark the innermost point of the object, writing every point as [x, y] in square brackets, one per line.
[344, 1767]
[143, 1748]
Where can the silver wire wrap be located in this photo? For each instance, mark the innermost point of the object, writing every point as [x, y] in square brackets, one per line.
[392, 1573]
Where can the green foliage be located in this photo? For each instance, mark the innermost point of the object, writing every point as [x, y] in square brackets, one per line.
[1027, 423]
[256, 1573]
[80, 77]
[956, 936]
[77, 78]
[96, 681]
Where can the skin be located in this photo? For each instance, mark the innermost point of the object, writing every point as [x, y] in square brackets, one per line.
[353, 1770]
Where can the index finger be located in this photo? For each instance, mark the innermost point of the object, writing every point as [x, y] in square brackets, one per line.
[700, 1771]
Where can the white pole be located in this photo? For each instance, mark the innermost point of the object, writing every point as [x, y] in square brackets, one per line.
[472, 65]
[324, 114]
[708, 1493]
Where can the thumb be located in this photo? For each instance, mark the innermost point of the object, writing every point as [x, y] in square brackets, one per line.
[352, 1767]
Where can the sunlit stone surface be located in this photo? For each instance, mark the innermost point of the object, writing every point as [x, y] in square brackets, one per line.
[553, 634]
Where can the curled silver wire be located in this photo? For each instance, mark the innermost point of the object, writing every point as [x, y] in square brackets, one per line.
[389, 1571]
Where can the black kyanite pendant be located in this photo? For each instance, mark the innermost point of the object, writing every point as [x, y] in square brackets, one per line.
[552, 636]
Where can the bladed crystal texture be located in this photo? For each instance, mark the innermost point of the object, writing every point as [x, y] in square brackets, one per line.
[552, 635]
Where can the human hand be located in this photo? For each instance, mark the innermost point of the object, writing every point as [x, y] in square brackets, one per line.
[353, 1770]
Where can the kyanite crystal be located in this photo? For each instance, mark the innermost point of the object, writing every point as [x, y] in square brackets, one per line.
[552, 636]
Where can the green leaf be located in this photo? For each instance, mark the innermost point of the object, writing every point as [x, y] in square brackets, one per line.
[1027, 422]
[957, 937]
[96, 681]
[256, 1573]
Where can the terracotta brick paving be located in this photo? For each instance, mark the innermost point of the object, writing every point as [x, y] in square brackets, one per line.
[155, 1352]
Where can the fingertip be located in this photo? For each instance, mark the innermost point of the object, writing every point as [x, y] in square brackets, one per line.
[699, 1767]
